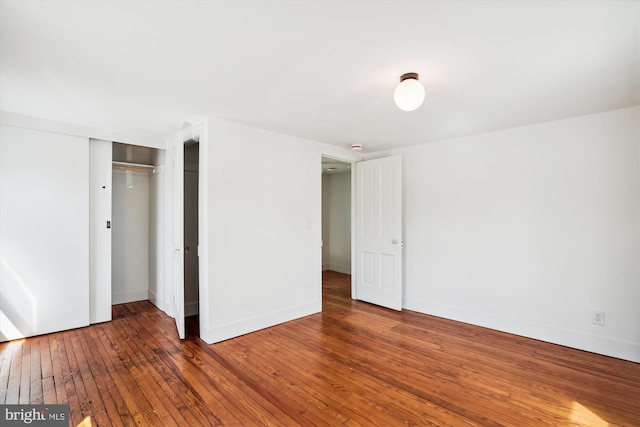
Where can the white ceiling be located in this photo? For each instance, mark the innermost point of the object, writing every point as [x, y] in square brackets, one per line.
[322, 70]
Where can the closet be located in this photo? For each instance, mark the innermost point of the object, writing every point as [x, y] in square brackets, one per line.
[135, 222]
[44, 232]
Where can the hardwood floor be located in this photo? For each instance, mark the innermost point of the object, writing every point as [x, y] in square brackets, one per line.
[354, 364]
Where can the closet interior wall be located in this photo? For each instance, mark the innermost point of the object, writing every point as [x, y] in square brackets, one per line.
[137, 181]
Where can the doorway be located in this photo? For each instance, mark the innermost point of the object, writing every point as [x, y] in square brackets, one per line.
[375, 229]
[136, 192]
[191, 256]
[336, 219]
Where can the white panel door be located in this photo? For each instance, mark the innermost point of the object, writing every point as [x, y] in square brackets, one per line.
[379, 232]
[177, 154]
[100, 200]
[44, 232]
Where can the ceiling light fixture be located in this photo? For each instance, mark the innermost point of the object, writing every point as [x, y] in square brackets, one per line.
[409, 95]
[356, 147]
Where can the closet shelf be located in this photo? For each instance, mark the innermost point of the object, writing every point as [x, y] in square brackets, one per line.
[139, 167]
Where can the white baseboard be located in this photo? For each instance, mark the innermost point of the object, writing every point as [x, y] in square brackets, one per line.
[129, 296]
[232, 330]
[345, 269]
[191, 308]
[579, 340]
[160, 303]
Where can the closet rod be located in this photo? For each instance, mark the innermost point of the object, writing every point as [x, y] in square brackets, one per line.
[139, 167]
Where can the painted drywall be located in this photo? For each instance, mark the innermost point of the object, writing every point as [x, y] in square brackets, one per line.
[336, 222]
[264, 231]
[530, 230]
[526, 230]
[103, 133]
[130, 237]
[44, 232]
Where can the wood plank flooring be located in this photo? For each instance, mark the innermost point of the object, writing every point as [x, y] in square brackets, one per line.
[354, 364]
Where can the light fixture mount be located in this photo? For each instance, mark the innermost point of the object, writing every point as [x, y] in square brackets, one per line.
[409, 94]
[406, 76]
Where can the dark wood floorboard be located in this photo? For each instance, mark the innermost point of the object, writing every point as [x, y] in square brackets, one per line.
[355, 364]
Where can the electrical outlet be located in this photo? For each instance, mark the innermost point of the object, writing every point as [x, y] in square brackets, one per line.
[598, 318]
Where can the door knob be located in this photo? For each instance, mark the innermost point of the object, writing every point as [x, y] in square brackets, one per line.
[186, 249]
[394, 241]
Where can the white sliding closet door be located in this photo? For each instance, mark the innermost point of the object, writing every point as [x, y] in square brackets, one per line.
[44, 232]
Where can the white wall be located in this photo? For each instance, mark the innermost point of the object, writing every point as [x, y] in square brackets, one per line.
[36, 123]
[130, 237]
[529, 230]
[44, 232]
[336, 222]
[264, 194]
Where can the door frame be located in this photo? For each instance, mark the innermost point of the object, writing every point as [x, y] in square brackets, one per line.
[351, 158]
[176, 142]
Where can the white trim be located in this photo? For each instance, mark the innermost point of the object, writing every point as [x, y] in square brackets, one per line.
[169, 226]
[354, 256]
[344, 155]
[129, 296]
[232, 330]
[191, 308]
[345, 269]
[201, 130]
[29, 122]
[579, 340]
[161, 304]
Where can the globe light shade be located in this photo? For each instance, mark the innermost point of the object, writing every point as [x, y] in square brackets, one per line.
[409, 95]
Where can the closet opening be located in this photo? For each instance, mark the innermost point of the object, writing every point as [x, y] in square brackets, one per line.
[136, 223]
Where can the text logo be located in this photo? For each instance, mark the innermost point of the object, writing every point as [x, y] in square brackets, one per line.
[34, 415]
